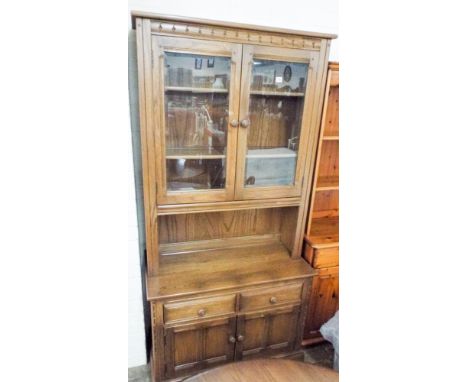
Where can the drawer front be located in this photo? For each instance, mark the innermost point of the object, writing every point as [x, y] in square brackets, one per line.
[199, 308]
[325, 257]
[270, 297]
[334, 78]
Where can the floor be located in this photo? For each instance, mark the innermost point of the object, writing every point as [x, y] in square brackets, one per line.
[321, 354]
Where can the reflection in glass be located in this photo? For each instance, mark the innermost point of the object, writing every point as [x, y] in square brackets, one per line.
[195, 174]
[275, 112]
[197, 110]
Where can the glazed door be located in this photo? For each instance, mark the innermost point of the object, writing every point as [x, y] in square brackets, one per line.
[196, 346]
[267, 333]
[196, 85]
[276, 100]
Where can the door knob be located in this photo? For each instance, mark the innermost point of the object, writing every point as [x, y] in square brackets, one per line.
[234, 123]
[273, 300]
[232, 339]
[240, 338]
[201, 312]
[245, 123]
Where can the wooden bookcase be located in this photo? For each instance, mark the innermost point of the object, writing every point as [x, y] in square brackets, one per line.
[322, 233]
[229, 116]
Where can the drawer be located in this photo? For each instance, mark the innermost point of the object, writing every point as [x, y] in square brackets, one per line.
[335, 78]
[269, 297]
[325, 257]
[199, 308]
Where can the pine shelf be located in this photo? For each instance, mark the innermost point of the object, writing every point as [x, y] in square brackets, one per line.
[327, 183]
[324, 231]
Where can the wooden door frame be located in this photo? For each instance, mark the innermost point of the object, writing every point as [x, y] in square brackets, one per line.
[159, 45]
[312, 91]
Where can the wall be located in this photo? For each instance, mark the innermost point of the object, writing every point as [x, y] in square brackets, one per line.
[136, 306]
[317, 16]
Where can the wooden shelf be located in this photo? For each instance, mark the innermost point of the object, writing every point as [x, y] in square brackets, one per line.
[195, 90]
[193, 153]
[225, 268]
[273, 93]
[327, 183]
[323, 232]
[237, 205]
[330, 138]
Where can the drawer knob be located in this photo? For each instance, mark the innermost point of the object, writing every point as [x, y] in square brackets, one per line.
[240, 338]
[202, 312]
[273, 300]
[245, 123]
[234, 123]
[232, 339]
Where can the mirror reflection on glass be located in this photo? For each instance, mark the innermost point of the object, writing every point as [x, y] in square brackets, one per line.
[275, 112]
[196, 117]
[278, 77]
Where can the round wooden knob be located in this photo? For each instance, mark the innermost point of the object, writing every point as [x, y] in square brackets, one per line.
[201, 312]
[234, 123]
[273, 300]
[232, 339]
[245, 123]
[240, 338]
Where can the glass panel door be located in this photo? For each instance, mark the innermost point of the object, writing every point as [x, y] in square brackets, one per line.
[198, 91]
[273, 132]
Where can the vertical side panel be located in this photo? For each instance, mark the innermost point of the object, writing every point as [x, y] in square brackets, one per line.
[158, 341]
[143, 33]
[320, 78]
[319, 151]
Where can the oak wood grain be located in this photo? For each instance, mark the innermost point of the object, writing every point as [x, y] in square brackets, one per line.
[261, 298]
[224, 265]
[226, 24]
[235, 205]
[217, 225]
[200, 308]
[224, 269]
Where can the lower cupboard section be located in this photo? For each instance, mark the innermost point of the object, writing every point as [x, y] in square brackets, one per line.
[196, 346]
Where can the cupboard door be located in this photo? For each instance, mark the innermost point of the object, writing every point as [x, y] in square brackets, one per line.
[189, 348]
[267, 333]
[197, 96]
[277, 94]
[324, 299]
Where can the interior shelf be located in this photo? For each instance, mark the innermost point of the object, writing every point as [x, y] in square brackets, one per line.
[324, 231]
[274, 93]
[325, 183]
[224, 268]
[193, 153]
[195, 90]
[277, 152]
[330, 138]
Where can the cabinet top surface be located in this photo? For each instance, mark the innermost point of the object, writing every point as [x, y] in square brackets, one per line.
[223, 269]
[156, 16]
